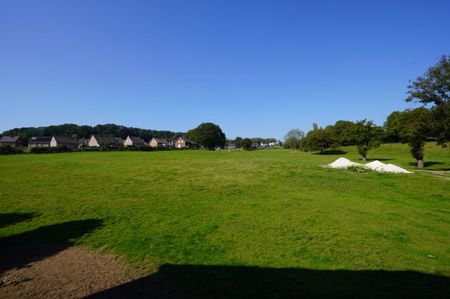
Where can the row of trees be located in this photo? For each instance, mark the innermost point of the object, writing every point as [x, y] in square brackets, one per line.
[210, 136]
[431, 121]
[76, 131]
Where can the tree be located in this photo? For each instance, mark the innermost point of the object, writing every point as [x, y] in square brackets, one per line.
[367, 137]
[208, 135]
[238, 142]
[344, 132]
[294, 133]
[246, 144]
[319, 140]
[292, 139]
[392, 127]
[434, 88]
[441, 123]
[292, 143]
[415, 128]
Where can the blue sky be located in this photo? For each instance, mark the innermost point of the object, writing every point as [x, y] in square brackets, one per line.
[256, 68]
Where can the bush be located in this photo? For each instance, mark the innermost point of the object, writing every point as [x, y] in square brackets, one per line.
[246, 144]
[50, 150]
[9, 150]
[292, 143]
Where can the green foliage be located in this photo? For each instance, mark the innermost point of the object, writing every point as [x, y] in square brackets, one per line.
[208, 135]
[344, 132]
[294, 134]
[416, 127]
[367, 136]
[9, 150]
[50, 150]
[359, 169]
[434, 86]
[319, 140]
[238, 142]
[76, 131]
[292, 143]
[392, 127]
[293, 139]
[441, 123]
[246, 144]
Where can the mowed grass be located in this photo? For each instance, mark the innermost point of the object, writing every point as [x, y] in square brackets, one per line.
[268, 208]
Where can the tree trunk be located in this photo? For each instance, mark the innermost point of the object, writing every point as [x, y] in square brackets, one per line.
[419, 163]
[364, 158]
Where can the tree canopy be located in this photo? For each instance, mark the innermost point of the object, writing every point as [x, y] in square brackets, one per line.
[434, 86]
[208, 135]
[367, 136]
[414, 130]
[76, 131]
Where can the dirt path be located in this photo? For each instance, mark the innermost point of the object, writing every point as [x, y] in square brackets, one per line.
[74, 272]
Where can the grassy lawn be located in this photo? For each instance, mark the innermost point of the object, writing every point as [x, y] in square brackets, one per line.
[266, 208]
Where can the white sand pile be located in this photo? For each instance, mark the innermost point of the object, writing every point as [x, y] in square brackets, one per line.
[381, 167]
[375, 166]
[343, 163]
[395, 169]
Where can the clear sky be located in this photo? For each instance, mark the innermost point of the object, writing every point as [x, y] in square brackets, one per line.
[256, 68]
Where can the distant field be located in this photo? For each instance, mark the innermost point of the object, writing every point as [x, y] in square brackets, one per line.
[267, 208]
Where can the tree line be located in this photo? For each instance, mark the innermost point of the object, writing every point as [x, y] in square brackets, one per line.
[431, 121]
[77, 132]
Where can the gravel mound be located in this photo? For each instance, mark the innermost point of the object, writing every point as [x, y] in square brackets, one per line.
[374, 165]
[343, 163]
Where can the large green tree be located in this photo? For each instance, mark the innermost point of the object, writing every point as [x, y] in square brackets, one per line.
[246, 144]
[392, 127]
[293, 138]
[319, 140]
[434, 88]
[415, 129]
[208, 135]
[367, 136]
[344, 131]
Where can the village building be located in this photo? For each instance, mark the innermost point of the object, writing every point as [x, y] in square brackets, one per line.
[9, 140]
[104, 141]
[134, 141]
[230, 146]
[159, 142]
[40, 141]
[183, 142]
[68, 142]
[82, 142]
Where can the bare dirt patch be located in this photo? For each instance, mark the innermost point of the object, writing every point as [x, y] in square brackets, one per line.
[73, 272]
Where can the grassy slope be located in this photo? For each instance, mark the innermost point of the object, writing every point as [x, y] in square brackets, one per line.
[271, 208]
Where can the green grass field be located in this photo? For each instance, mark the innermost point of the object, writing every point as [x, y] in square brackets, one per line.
[266, 208]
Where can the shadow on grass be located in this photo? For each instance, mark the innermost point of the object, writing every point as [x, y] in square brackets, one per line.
[18, 250]
[429, 164]
[331, 152]
[7, 219]
[192, 281]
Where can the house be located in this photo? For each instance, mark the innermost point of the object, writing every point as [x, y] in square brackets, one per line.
[68, 142]
[159, 142]
[40, 141]
[104, 141]
[82, 142]
[183, 142]
[11, 141]
[134, 141]
[230, 146]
